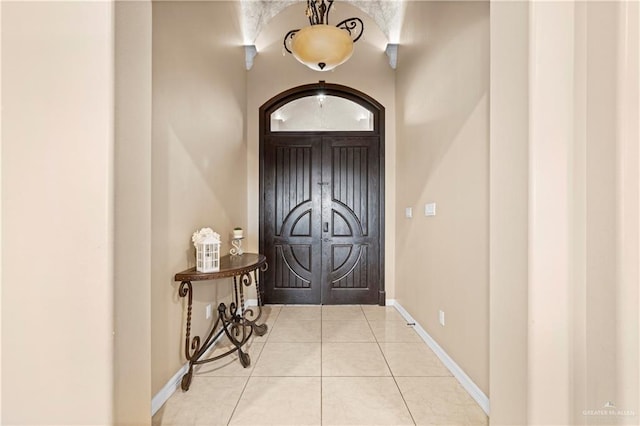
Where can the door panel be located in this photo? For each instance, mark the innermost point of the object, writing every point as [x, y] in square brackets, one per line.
[321, 219]
[292, 219]
[350, 202]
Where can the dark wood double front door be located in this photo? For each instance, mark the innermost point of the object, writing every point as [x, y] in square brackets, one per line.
[321, 213]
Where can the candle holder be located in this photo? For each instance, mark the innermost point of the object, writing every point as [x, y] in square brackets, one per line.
[236, 242]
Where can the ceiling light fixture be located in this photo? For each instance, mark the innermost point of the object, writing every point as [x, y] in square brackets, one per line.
[321, 46]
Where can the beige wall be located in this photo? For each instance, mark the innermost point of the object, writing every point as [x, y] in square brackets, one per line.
[368, 71]
[198, 168]
[608, 175]
[509, 180]
[132, 192]
[600, 203]
[551, 137]
[443, 157]
[57, 218]
[628, 291]
[579, 130]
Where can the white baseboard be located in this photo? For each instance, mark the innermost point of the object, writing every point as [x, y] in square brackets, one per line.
[174, 383]
[454, 368]
[167, 390]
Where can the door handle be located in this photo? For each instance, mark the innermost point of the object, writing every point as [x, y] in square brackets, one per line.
[326, 240]
[325, 227]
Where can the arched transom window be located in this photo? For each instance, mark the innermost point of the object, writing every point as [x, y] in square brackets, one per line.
[321, 113]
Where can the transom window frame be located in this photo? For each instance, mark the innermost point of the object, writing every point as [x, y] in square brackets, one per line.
[323, 88]
[321, 112]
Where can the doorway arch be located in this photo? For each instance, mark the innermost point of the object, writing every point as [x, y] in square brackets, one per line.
[321, 211]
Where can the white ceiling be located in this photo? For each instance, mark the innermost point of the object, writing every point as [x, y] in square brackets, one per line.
[387, 14]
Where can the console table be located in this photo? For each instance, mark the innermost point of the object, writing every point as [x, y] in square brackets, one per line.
[237, 322]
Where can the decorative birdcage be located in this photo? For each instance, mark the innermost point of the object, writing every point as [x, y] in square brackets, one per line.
[207, 244]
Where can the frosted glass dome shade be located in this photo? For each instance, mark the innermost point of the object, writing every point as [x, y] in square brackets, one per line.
[322, 47]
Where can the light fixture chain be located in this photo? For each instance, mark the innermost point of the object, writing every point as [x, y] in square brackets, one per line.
[318, 11]
[322, 12]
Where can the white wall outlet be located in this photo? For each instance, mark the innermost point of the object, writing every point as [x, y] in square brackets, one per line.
[408, 212]
[441, 317]
[430, 209]
[207, 311]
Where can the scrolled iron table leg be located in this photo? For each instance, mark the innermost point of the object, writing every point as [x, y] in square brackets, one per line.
[237, 323]
[185, 384]
[260, 329]
[231, 326]
[248, 315]
[191, 347]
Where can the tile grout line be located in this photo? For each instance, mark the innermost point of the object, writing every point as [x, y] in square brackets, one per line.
[252, 371]
[238, 401]
[389, 367]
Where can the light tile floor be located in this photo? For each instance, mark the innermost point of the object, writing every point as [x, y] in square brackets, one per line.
[329, 365]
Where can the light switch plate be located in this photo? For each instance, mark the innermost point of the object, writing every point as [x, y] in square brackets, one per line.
[408, 212]
[430, 209]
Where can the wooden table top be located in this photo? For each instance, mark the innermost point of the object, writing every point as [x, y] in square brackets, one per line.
[230, 266]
